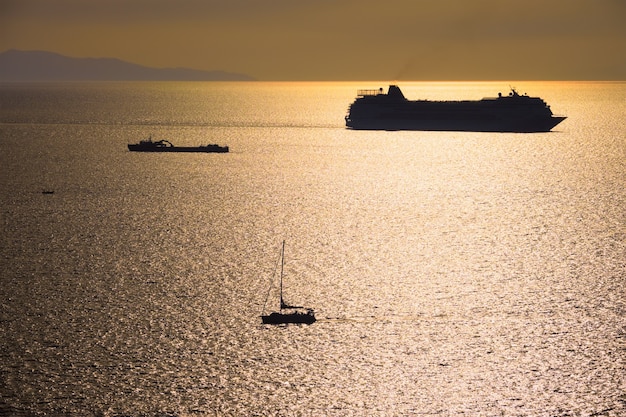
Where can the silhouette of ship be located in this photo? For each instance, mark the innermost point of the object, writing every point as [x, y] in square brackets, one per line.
[148, 145]
[375, 110]
[288, 313]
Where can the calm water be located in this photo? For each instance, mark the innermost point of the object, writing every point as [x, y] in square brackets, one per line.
[452, 273]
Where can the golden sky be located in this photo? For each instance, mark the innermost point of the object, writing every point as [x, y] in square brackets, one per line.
[336, 39]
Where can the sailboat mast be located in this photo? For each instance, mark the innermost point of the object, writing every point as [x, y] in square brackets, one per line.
[282, 264]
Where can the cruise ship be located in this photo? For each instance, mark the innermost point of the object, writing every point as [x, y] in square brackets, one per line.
[375, 110]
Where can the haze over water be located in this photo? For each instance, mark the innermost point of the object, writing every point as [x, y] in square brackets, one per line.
[452, 273]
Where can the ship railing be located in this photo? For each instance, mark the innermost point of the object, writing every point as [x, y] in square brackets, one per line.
[363, 93]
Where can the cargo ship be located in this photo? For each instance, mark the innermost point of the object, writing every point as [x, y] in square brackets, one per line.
[375, 110]
[148, 145]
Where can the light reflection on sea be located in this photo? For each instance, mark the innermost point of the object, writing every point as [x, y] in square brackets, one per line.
[452, 273]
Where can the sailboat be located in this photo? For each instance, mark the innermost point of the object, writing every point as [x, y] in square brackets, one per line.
[288, 313]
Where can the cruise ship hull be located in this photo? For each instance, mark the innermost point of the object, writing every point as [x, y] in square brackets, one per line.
[458, 124]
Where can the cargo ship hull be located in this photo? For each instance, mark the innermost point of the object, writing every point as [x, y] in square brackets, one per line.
[208, 149]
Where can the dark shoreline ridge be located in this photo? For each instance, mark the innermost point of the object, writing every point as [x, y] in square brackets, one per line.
[22, 66]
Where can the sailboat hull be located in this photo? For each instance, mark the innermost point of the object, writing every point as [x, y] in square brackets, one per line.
[287, 318]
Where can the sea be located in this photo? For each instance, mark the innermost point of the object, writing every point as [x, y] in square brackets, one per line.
[451, 273]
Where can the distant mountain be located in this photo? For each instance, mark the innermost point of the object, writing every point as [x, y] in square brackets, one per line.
[47, 66]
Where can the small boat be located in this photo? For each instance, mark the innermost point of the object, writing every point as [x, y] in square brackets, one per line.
[288, 313]
[148, 145]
